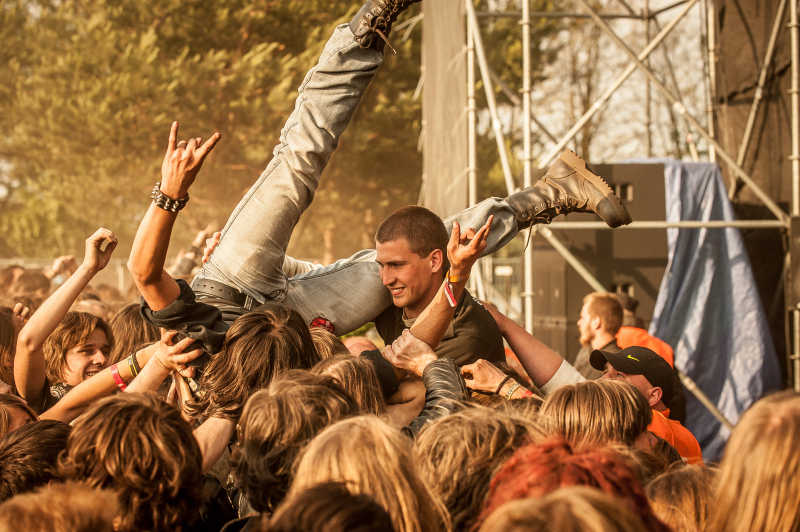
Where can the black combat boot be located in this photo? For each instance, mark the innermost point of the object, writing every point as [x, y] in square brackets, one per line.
[568, 186]
[372, 24]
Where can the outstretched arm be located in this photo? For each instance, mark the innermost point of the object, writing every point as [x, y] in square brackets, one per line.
[539, 361]
[84, 394]
[29, 363]
[181, 164]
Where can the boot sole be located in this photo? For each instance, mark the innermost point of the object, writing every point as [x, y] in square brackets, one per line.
[579, 165]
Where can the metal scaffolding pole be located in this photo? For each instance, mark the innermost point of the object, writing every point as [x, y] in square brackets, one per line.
[527, 263]
[509, 92]
[681, 109]
[762, 80]
[598, 104]
[472, 156]
[711, 20]
[686, 224]
[487, 84]
[795, 94]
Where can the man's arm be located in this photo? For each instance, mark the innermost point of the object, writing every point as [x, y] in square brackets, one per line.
[84, 394]
[29, 363]
[539, 361]
[462, 251]
[182, 162]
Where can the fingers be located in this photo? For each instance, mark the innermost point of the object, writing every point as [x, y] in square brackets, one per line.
[166, 337]
[469, 368]
[483, 232]
[112, 245]
[455, 234]
[183, 344]
[191, 145]
[100, 235]
[173, 137]
[208, 146]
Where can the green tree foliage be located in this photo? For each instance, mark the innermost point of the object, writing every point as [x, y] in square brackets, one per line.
[89, 88]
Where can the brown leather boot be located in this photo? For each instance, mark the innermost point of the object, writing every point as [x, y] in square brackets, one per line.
[568, 186]
[373, 22]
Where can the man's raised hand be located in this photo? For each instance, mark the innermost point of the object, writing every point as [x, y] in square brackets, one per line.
[172, 356]
[465, 248]
[182, 162]
[96, 258]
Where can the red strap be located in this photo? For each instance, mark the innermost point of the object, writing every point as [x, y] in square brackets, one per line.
[117, 379]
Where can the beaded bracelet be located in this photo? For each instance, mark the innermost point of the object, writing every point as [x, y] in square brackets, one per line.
[117, 379]
[163, 201]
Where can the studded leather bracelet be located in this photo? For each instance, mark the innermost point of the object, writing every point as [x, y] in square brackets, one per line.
[162, 201]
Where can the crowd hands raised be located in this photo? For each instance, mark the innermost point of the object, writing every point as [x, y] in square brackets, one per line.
[231, 403]
[116, 426]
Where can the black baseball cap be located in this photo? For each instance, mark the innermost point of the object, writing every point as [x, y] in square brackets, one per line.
[637, 360]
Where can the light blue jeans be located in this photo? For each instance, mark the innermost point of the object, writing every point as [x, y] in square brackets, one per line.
[251, 255]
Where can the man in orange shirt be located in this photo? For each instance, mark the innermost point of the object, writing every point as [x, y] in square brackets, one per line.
[653, 376]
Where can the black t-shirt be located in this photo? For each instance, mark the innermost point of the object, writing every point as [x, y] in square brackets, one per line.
[472, 335]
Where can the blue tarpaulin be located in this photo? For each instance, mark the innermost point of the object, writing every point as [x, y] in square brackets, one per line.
[708, 308]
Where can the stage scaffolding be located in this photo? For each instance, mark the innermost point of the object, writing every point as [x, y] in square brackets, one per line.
[476, 56]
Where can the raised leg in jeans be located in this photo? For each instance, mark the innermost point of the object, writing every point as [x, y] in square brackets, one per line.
[251, 252]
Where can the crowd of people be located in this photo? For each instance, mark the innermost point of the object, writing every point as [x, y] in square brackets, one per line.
[225, 392]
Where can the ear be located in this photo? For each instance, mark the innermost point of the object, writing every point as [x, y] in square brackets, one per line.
[595, 323]
[654, 396]
[436, 259]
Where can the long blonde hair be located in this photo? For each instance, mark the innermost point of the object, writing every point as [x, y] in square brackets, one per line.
[682, 497]
[758, 485]
[595, 413]
[565, 510]
[374, 459]
[459, 453]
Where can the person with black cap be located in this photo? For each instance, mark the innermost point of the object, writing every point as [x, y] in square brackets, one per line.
[653, 376]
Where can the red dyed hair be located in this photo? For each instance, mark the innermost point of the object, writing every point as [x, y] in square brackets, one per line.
[538, 469]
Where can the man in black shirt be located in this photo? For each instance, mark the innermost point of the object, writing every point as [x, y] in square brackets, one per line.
[411, 249]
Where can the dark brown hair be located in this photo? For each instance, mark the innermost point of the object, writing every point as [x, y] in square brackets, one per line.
[421, 228]
[8, 403]
[327, 343]
[29, 455]
[329, 507]
[8, 345]
[130, 330]
[31, 281]
[141, 449]
[607, 307]
[74, 330]
[459, 453]
[358, 377]
[258, 347]
[276, 425]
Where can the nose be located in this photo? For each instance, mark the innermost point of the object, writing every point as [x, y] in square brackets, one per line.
[98, 358]
[386, 277]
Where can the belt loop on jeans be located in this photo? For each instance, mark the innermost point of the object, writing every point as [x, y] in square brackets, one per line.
[248, 303]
